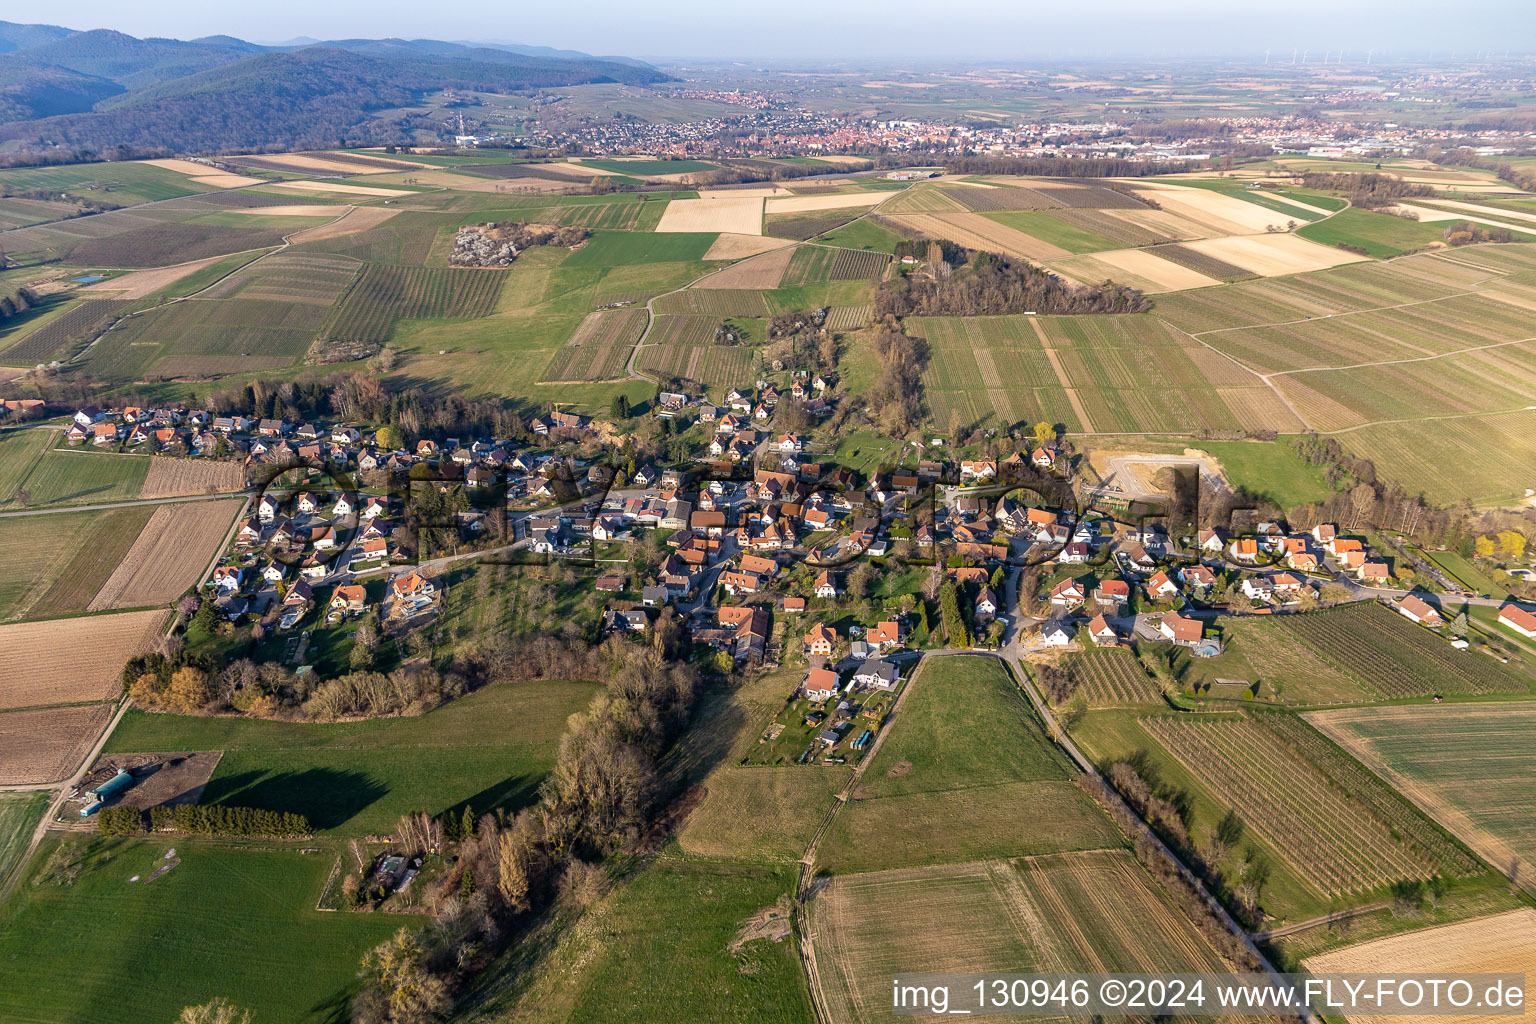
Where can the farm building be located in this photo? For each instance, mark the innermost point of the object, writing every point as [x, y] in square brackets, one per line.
[1518, 619]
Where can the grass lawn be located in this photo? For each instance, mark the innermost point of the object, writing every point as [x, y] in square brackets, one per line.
[624, 248]
[1057, 232]
[231, 921]
[488, 750]
[863, 234]
[1470, 573]
[1379, 234]
[1270, 468]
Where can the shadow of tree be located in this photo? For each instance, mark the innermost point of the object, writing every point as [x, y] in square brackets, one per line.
[328, 797]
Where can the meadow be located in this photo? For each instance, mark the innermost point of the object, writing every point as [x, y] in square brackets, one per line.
[488, 750]
[124, 183]
[1469, 766]
[60, 477]
[784, 804]
[1381, 235]
[236, 921]
[665, 944]
[625, 248]
[19, 815]
[966, 773]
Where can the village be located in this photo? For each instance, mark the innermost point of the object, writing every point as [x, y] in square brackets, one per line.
[764, 549]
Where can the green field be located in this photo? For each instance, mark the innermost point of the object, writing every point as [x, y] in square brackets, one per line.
[1271, 469]
[784, 804]
[488, 751]
[647, 167]
[74, 477]
[206, 337]
[19, 815]
[658, 948]
[865, 233]
[1474, 771]
[54, 564]
[966, 773]
[1053, 230]
[625, 248]
[121, 183]
[231, 921]
[1379, 234]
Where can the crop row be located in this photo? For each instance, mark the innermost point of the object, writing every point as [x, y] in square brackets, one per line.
[55, 339]
[386, 294]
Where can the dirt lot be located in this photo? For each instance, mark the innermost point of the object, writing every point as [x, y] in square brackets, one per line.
[47, 745]
[57, 661]
[169, 555]
[176, 478]
[159, 779]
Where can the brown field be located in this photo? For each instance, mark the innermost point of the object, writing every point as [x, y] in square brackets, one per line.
[177, 478]
[1094, 911]
[48, 745]
[1225, 214]
[738, 216]
[59, 661]
[291, 210]
[974, 231]
[142, 283]
[360, 218]
[338, 188]
[169, 556]
[743, 193]
[202, 174]
[838, 201]
[731, 246]
[1134, 267]
[350, 164]
[848, 318]
[763, 271]
[1504, 943]
[1271, 255]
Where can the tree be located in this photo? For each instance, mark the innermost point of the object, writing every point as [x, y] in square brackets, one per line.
[1512, 544]
[512, 871]
[410, 993]
[390, 438]
[620, 407]
[188, 690]
[467, 823]
[1483, 547]
[219, 1011]
[1361, 500]
[1045, 432]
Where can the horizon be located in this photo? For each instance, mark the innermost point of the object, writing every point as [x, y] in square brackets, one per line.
[884, 34]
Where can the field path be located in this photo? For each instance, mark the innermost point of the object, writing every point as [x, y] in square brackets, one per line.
[117, 504]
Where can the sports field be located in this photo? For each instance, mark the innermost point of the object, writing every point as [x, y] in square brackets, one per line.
[488, 751]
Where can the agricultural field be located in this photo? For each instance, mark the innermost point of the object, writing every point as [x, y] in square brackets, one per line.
[1471, 767]
[1136, 268]
[386, 294]
[785, 805]
[192, 930]
[1482, 459]
[47, 744]
[811, 263]
[866, 233]
[1100, 374]
[19, 815]
[1381, 235]
[1093, 911]
[674, 940]
[1068, 230]
[21, 213]
[357, 778]
[1199, 262]
[54, 564]
[63, 477]
[1331, 838]
[738, 215]
[600, 346]
[170, 555]
[314, 278]
[964, 774]
[1109, 678]
[1503, 943]
[765, 271]
[61, 661]
[1396, 658]
[150, 238]
[126, 184]
[59, 336]
[627, 248]
[205, 337]
[403, 240]
[175, 478]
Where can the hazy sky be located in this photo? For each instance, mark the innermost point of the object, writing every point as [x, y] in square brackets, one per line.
[860, 29]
